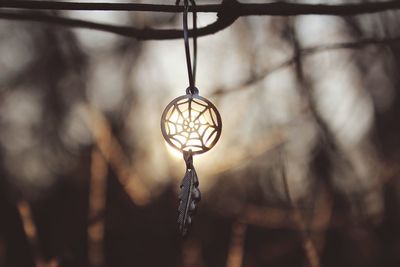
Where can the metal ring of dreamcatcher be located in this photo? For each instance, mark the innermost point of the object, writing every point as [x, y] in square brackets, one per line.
[191, 123]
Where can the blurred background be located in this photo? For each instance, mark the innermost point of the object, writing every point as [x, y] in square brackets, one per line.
[305, 173]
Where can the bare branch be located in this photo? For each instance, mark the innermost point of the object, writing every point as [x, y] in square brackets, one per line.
[127, 31]
[233, 7]
[292, 9]
[236, 247]
[97, 205]
[245, 85]
[113, 154]
[55, 5]
[228, 12]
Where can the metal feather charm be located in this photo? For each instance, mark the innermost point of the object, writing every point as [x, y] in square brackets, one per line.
[189, 195]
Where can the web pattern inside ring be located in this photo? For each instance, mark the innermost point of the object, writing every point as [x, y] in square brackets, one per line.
[191, 124]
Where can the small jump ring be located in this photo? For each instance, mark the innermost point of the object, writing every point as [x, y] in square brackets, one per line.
[192, 91]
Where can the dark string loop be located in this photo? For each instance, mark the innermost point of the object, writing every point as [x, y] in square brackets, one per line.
[193, 2]
[191, 70]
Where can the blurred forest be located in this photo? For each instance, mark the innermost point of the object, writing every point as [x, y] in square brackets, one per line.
[306, 172]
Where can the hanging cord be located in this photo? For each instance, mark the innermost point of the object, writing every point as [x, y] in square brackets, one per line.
[191, 70]
[193, 2]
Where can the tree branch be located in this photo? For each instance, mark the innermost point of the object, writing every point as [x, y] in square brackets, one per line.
[245, 85]
[228, 12]
[127, 31]
[292, 9]
[104, 6]
[241, 9]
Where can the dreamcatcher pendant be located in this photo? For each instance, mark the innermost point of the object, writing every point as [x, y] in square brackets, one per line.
[191, 124]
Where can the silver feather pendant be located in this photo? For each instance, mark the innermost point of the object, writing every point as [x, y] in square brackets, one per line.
[189, 195]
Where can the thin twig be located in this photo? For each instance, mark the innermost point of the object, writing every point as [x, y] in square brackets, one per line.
[308, 244]
[97, 203]
[30, 230]
[309, 51]
[112, 152]
[349, 45]
[127, 31]
[236, 246]
[192, 253]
